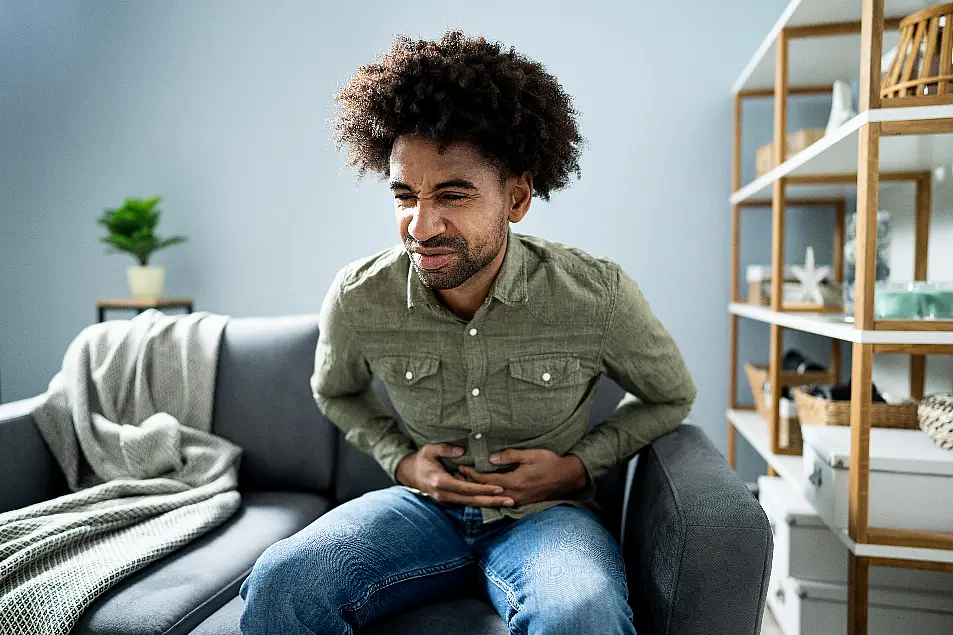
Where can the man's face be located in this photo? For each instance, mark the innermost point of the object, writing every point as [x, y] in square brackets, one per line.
[451, 209]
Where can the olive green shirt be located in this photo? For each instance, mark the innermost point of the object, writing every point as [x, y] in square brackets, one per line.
[521, 374]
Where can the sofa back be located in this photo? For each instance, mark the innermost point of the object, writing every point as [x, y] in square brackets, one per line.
[263, 403]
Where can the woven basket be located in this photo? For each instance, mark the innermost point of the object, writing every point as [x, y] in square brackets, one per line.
[923, 65]
[815, 411]
[936, 419]
[789, 432]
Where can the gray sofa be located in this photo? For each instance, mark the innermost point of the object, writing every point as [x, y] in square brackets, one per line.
[697, 546]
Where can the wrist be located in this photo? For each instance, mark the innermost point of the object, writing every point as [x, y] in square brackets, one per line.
[577, 469]
[399, 474]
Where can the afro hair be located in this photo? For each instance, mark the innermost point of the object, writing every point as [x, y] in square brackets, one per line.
[461, 89]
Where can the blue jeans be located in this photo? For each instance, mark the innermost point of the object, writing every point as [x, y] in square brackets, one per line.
[558, 571]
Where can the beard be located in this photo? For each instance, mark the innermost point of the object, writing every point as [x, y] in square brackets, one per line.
[466, 260]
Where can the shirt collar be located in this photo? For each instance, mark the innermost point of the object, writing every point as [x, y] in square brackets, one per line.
[508, 287]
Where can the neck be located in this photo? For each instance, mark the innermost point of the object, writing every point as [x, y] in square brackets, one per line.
[465, 300]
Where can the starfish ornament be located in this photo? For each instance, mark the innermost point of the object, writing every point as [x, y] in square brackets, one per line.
[810, 278]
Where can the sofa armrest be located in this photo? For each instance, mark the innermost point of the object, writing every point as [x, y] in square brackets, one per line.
[697, 544]
[28, 472]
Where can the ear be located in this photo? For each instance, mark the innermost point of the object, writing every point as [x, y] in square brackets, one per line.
[521, 196]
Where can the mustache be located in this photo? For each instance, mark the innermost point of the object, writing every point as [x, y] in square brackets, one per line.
[450, 242]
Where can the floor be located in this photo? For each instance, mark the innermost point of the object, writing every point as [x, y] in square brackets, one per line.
[769, 626]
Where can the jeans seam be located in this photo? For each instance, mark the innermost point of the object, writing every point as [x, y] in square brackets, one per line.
[503, 586]
[412, 574]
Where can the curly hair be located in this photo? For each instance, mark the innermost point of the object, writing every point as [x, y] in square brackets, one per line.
[461, 89]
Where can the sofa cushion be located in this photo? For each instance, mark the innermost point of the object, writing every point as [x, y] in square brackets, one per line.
[173, 595]
[263, 404]
[466, 616]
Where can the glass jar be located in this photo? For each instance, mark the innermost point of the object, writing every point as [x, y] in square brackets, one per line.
[897, 300]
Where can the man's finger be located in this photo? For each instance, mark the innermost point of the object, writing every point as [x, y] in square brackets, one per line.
[476, 501]
[459, 486]
[502, 480]
[512, 456]
[443, 449]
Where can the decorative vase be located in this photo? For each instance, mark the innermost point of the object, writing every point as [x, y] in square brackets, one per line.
[146, 283]
[850, 255]
[842, 109]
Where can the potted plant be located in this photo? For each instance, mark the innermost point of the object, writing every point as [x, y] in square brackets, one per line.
[132, 230]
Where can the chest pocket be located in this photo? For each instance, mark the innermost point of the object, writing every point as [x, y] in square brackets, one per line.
[414, 385]
[544, 390]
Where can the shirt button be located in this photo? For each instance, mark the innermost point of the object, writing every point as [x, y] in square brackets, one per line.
[473, 331]
[409, 375]
[546, 377]
[475, 392]
[477, 436]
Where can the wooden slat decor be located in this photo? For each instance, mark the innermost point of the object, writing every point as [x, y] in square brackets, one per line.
[923, 65]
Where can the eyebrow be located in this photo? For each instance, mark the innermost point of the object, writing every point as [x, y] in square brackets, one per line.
[458, 183]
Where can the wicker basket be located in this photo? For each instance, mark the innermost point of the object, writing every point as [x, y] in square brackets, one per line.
[936, 419]
[815, 411]
[796, 141]
[923, 65]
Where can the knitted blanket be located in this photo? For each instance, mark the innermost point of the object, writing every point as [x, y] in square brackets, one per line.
[128, 419]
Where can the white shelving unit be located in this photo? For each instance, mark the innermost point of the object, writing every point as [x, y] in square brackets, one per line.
[898, 137]
[837, 326]
[895, 553]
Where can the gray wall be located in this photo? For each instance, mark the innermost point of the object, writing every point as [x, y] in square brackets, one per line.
[221, 108]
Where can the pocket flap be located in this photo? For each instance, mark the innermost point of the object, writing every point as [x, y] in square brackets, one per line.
[409, 369]
[548, 371]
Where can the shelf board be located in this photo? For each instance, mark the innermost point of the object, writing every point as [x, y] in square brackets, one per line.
[754, 429]
[836, 326]
[836, 154]
[891, 552]
[818, 60]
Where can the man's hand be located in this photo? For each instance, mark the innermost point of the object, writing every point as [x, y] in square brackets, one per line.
[424, 471]
[540, 476]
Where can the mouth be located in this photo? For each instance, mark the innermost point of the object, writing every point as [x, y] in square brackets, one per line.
[432, 260]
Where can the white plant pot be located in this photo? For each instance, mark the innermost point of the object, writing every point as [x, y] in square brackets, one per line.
[146, 283]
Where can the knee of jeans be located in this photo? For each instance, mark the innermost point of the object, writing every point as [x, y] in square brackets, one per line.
[317, 566]
[570, 592]
[598, 606]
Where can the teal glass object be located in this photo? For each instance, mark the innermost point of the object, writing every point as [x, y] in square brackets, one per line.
[937, 301]
[894, 300]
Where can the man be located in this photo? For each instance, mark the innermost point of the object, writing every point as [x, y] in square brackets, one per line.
[490, 345]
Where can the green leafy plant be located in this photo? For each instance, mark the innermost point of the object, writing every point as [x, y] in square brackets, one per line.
[132, 228]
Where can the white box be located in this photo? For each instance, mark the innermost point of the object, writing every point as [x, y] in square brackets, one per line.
[806, 548]
[820, 608]
[911, 479]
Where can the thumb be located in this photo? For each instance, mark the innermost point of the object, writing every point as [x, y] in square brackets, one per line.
[444, 449]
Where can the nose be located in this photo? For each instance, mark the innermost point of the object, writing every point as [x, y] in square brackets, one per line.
[426, 221]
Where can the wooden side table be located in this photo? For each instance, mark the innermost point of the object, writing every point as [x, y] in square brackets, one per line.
[141, 305]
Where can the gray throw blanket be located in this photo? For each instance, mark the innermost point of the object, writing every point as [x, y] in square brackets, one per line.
[128, 420]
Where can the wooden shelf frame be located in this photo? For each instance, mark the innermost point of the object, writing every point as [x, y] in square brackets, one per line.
[868, 546]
